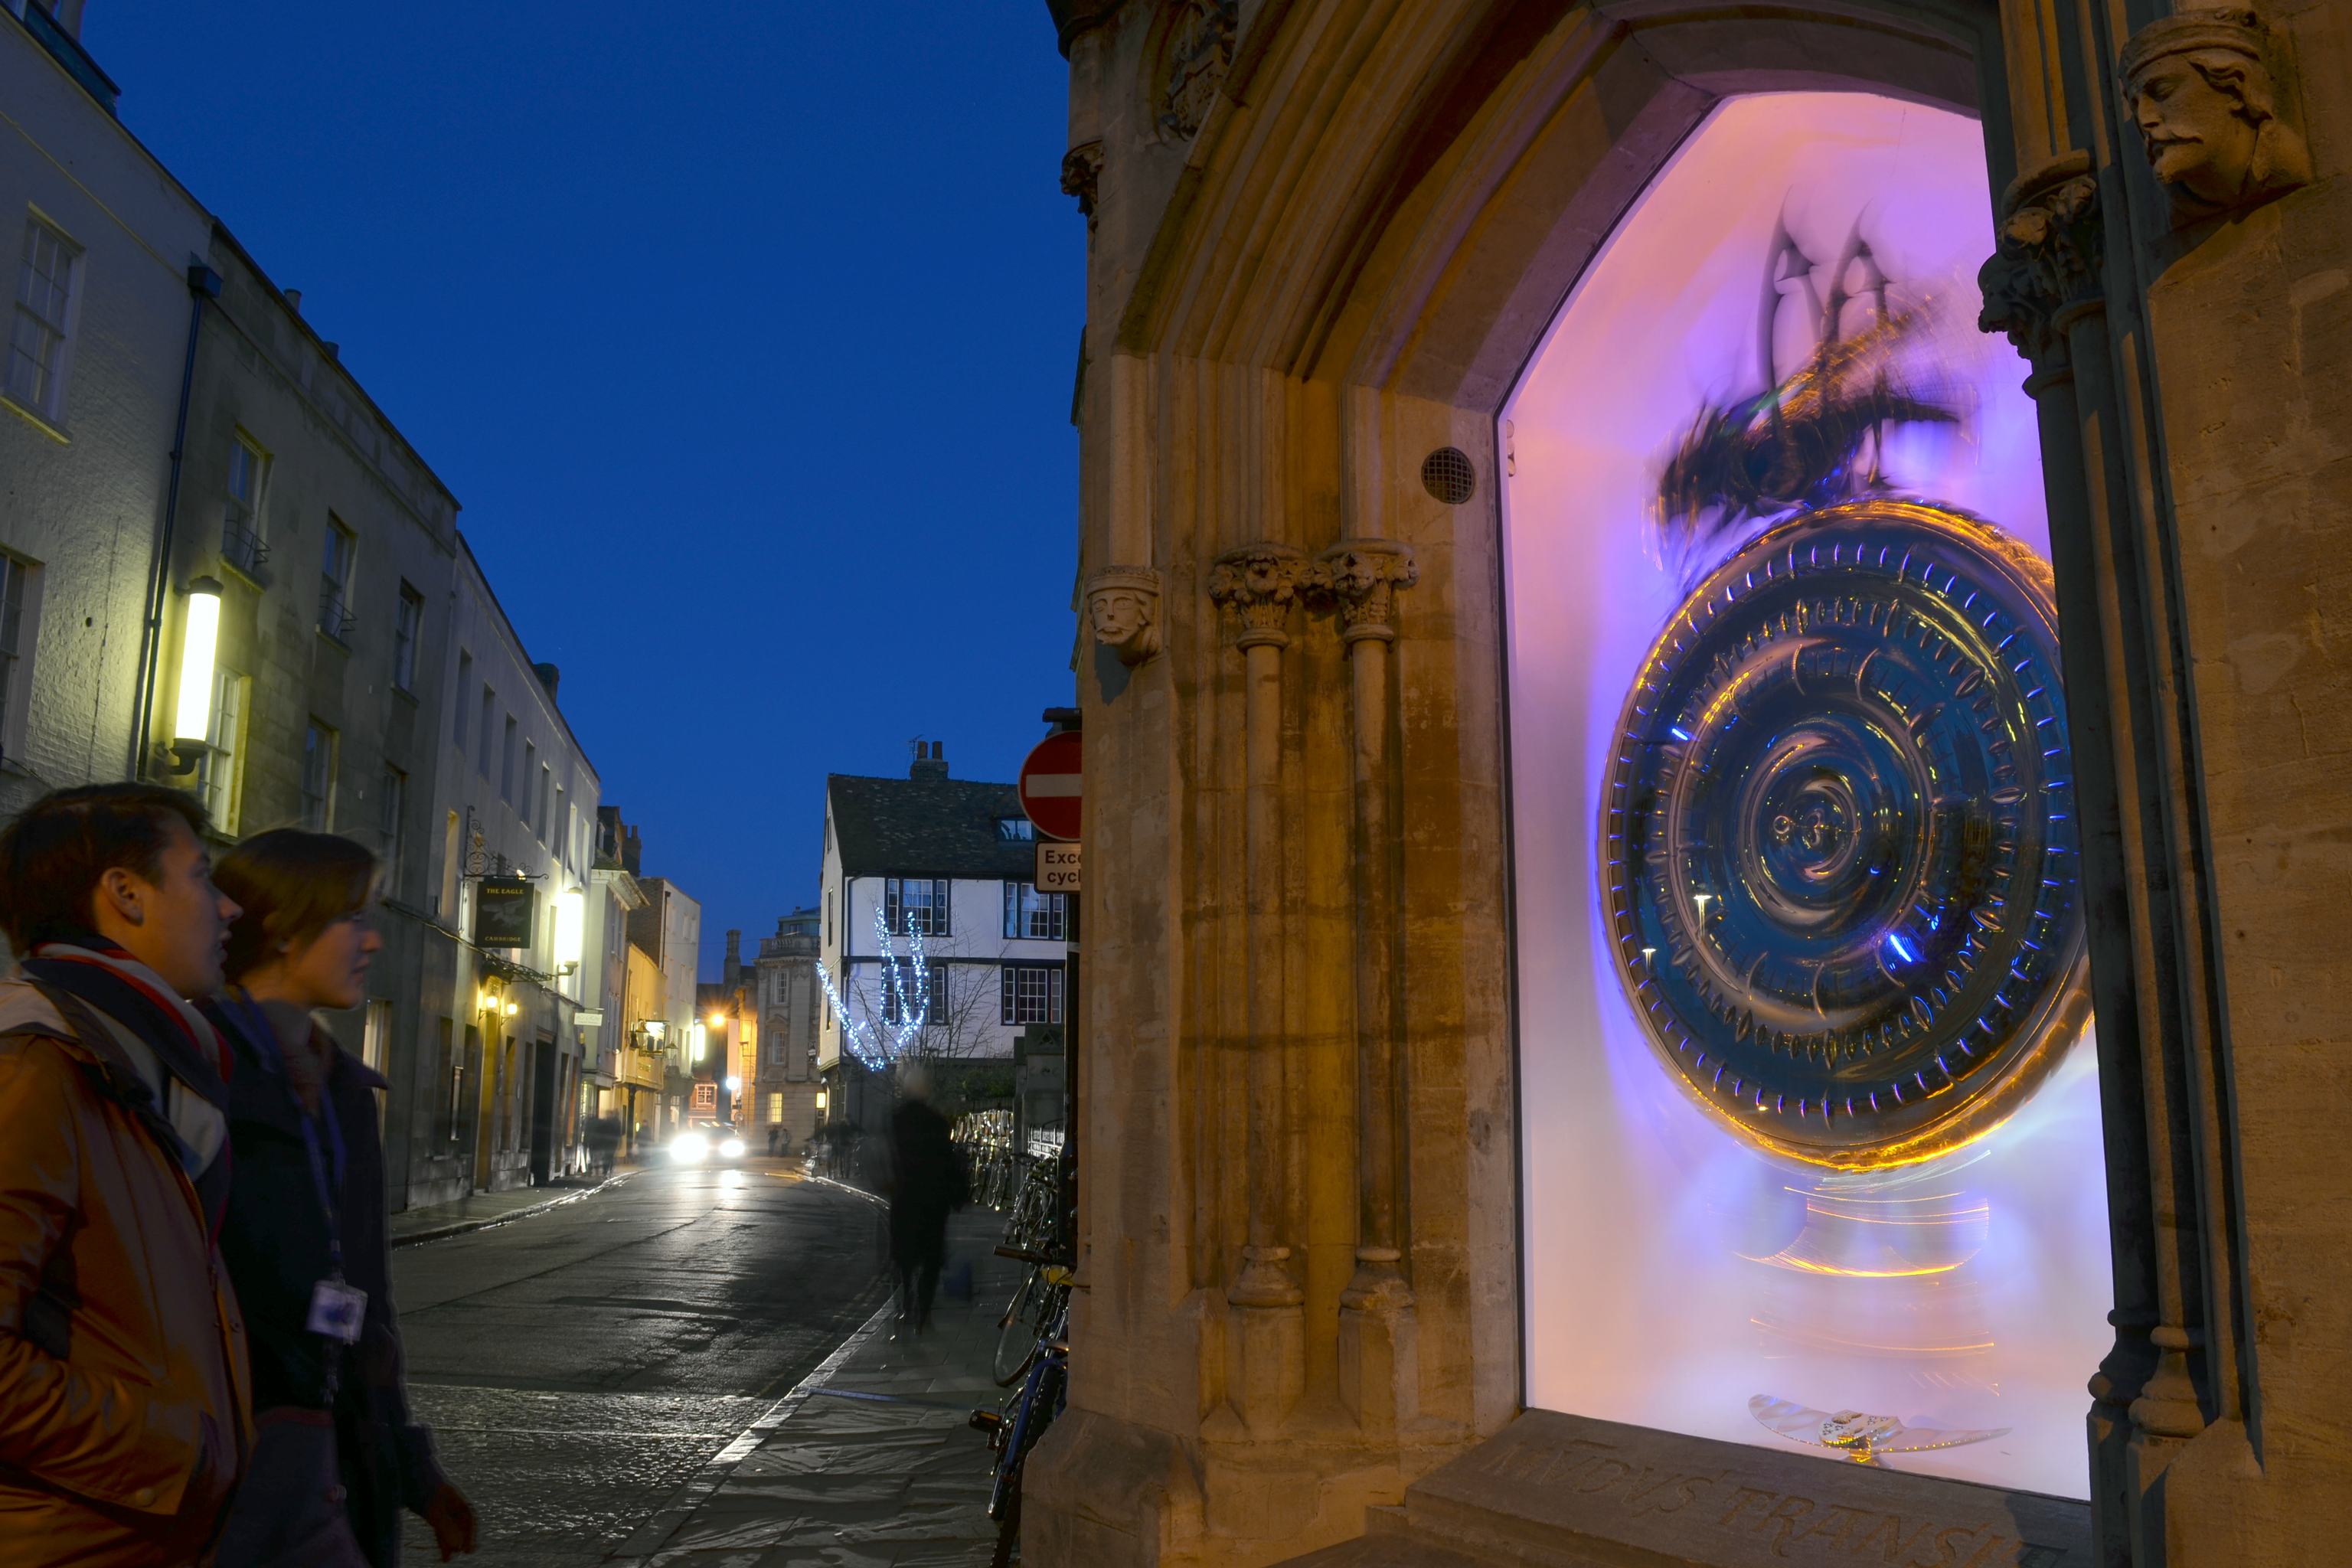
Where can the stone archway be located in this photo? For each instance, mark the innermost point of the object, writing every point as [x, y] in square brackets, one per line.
[1299, 1168]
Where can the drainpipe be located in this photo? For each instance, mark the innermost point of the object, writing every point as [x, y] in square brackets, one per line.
[204, 284]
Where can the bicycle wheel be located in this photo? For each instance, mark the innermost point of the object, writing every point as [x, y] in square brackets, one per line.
[1016, 1333]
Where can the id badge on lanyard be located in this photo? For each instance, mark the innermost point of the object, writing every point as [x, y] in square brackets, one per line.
[338, 1311]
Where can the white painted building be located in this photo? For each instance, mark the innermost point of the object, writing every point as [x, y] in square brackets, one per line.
[517, 797]
[97, 240]
[957, 859]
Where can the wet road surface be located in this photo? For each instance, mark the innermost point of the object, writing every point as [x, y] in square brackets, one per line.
[579, 1365]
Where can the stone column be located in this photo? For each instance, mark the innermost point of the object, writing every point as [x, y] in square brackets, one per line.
[1260, 583]
[2087, 240]
[1379, 1373]
[2044, 287]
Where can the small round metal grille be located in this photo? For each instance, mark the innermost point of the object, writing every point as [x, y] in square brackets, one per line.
[1446, 474]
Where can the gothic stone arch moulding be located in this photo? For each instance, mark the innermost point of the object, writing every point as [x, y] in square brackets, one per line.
[1373, 228]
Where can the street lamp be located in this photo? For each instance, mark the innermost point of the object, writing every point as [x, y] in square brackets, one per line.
[191, 716]
[734, 1084]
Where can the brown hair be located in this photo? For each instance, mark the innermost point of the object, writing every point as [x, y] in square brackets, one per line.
[293, 886]
[53, 855]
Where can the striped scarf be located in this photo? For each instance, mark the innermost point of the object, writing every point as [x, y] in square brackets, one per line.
[127, 993]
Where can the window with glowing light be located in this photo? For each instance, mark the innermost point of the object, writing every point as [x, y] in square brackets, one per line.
[220, 771]
[1950, 1275]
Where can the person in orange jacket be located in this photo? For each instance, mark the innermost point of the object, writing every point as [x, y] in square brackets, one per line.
[124, 1424]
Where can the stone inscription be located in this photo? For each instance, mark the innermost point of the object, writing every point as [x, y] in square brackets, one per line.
[1789, 1525]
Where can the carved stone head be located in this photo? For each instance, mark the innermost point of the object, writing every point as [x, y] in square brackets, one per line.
[1123, 608]
[2202, 91]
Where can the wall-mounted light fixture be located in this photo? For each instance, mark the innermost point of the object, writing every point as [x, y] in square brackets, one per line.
[191, 716]
[696, 1038]
[570, 928]
[734, 1084]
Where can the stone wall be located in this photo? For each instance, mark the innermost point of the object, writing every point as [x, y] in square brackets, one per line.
[1324, 236]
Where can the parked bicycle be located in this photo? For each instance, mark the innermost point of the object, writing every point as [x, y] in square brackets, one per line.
[1033, 1352]
[1014, 1430]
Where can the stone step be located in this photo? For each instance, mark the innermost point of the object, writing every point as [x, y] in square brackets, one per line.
[1565, 1491]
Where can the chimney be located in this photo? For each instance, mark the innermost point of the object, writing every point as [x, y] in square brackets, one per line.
[632, 850]
[733, 969]
[549, 677]
[67, 14]
[930, 760]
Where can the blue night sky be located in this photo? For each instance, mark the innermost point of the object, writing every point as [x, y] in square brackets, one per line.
[743, 333]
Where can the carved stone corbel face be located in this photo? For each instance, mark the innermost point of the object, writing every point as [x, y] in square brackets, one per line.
[1123, 608]
[2201, 88]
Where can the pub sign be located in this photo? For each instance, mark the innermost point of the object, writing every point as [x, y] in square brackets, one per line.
[504, 910]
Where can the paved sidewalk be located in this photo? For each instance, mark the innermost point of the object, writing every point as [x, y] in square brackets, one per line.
[869, 1462]
[432, 1222]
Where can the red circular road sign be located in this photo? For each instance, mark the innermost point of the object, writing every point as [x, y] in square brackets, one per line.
[1050, 784]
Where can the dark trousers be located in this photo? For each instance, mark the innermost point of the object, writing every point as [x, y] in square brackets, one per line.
[921, 1251]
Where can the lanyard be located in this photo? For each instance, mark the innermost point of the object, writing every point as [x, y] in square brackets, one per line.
[265, 1040]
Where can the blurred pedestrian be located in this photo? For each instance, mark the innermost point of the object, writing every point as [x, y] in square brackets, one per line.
[772, 1129]
[335, 1455]
[926, 1185]
[604, 1142]
[122, 1359]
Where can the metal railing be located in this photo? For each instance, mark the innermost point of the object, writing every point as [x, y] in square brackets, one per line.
[335, 617]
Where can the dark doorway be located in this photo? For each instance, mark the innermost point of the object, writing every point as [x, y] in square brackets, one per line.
[542, 1111]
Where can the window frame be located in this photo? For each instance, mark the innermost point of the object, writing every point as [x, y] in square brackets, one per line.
[938, 919]
[19, 607]
[46, 400]
[1025, 907]
[1012, 1003]
[321, 744]
[242, 544]
[935, 971]
[336, 567]
[391, 806]
[220, 771]
[407, 637]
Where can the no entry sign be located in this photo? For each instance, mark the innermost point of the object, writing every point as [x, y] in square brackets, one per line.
[1050, 786]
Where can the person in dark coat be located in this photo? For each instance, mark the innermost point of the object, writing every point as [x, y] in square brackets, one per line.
[336, 1456]
[927, 1185]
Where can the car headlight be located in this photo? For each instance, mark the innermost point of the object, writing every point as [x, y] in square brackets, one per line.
[731, 1150]
[688, 1147]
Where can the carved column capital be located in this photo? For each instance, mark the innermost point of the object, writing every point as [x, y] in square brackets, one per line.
[1359, 577]
[1123, 609]
[2052, 248]
[1082, 176]
[2211, 93]
[1260, 582]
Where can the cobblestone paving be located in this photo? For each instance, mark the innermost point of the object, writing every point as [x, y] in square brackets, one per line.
[580, 1364]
